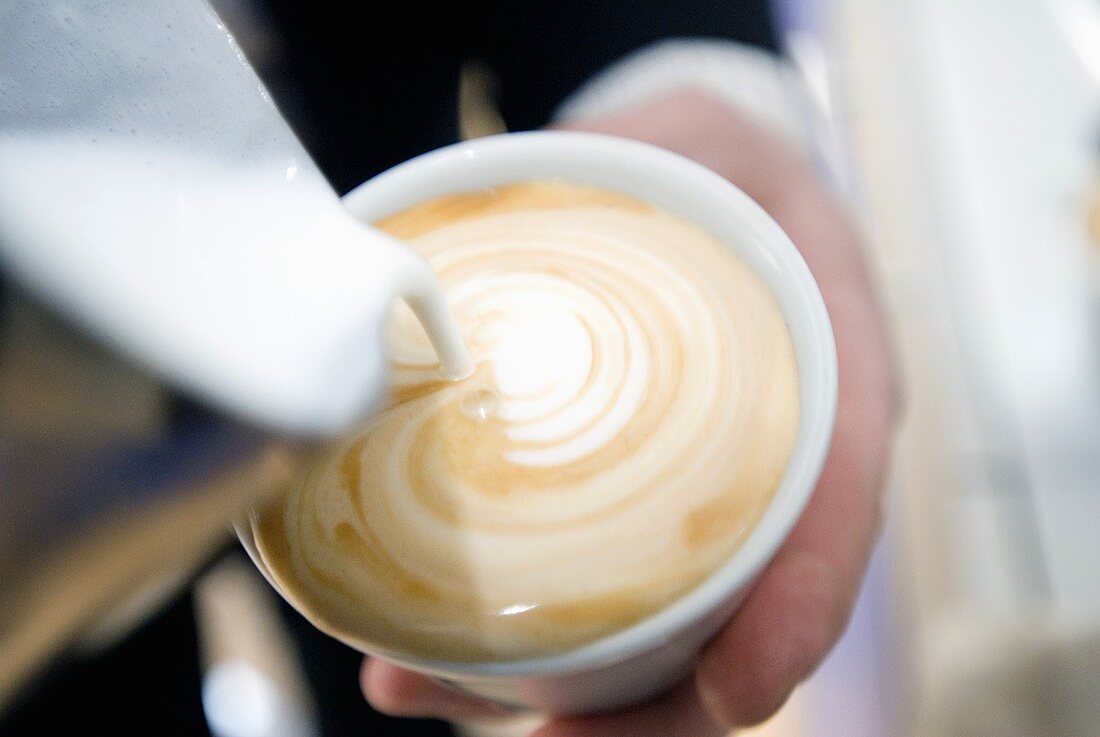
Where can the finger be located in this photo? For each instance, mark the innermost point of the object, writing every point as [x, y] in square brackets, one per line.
[798, 608]
[802, 601]
[396, 691]
[677, 714]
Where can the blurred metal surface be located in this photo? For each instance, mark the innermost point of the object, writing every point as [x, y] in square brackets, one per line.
[108, 498]
[1080, 21]
[973, 127]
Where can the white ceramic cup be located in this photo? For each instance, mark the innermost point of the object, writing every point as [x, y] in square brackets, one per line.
[646, 658]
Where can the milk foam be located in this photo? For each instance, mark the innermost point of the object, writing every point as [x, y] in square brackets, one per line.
[632, 411]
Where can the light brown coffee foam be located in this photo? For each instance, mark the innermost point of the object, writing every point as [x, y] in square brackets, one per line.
[633, 410]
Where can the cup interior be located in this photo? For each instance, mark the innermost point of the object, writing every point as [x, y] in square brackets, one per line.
[693, 192]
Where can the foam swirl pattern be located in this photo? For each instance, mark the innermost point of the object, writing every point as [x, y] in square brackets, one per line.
[633, 410]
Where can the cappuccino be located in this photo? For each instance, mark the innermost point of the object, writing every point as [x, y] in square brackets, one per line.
[632, 411]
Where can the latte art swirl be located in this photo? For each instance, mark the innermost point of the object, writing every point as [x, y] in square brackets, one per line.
[633, 410]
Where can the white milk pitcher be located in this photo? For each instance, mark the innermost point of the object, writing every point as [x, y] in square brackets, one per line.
[152, 196]
[151, 191]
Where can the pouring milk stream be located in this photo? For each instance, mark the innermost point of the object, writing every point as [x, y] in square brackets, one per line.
[151, 193]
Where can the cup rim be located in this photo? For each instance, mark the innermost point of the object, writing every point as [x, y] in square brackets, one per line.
[484, 162]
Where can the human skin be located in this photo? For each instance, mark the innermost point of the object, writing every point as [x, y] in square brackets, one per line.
[802, 601]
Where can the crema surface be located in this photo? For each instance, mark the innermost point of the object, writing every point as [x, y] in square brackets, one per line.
[632, 412]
